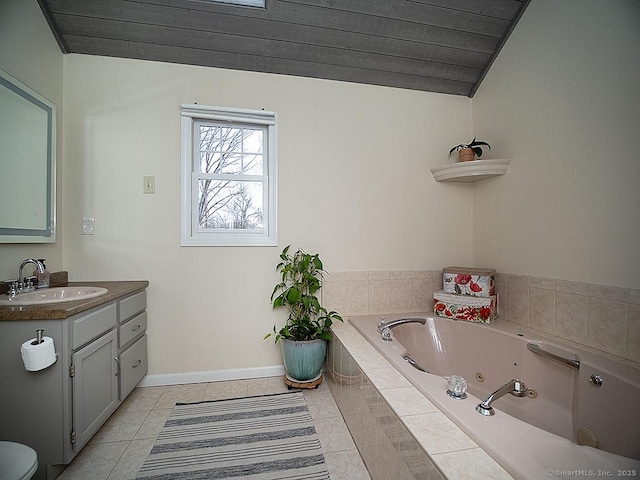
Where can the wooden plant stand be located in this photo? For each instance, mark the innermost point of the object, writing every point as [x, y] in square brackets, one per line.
[293, 384]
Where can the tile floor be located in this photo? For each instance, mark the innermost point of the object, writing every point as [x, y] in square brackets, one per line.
[121, 446]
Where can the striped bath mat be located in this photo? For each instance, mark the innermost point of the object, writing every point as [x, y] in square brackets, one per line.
[266, 437]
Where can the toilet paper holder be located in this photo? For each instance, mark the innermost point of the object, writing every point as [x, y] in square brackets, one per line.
[39, 340]
[39, 335]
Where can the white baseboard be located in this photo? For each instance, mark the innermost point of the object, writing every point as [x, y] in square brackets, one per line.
[211, 376]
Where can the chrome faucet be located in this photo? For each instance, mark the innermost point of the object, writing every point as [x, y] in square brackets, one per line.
[18, 285]
[382, 324]
[515, 387]
[27, 261]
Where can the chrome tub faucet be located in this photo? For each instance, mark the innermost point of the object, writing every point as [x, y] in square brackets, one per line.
[382, 324]
[385, 327]
[515, 387]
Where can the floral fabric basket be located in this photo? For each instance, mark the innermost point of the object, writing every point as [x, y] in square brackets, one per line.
[475, 282]
[463, 307]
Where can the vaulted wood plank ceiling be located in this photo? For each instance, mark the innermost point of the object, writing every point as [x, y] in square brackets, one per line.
[444, 46]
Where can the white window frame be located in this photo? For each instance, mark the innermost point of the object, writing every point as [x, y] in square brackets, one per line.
[190, 234]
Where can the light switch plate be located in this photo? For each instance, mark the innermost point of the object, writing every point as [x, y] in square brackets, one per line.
[88, 226]
[148, 184]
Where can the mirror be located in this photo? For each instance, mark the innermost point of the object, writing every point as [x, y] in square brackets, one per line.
[27, 164]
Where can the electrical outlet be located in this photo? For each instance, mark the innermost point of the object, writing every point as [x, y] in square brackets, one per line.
[88, 226]
[148, 184]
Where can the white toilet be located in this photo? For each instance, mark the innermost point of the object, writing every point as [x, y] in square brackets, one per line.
[17, 461]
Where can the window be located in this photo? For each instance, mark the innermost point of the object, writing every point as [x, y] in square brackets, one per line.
[228, 177]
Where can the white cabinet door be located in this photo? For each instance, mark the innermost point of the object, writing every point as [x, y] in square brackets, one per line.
[95, 386]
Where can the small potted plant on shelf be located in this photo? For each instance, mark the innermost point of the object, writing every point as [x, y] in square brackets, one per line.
[303, 338]
[469, 151]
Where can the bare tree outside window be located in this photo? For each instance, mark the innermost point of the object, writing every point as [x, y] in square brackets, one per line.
[229, 198]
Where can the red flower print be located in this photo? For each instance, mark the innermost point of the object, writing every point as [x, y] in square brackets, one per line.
[440, 307]
[475, 287]
[462, 279]
[485, 312]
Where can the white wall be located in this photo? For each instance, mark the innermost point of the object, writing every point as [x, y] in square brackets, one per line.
[29, 53]
[354, 185]
[563, 102]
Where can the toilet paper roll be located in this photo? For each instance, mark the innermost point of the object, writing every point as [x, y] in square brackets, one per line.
[38, 356]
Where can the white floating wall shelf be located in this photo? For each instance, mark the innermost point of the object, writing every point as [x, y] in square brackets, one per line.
[469, 172]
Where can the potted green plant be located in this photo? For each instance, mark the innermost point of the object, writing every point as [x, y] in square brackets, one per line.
[469, 151]
[303, 338]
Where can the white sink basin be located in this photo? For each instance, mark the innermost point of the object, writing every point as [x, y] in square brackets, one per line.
[54, 295]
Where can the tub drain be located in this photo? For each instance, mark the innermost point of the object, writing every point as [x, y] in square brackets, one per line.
[479, 377]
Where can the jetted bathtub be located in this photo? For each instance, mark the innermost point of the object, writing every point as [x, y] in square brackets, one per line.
[545, 434]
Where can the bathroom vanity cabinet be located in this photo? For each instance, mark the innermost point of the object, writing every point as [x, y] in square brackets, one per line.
[102, 356]
[108, 361]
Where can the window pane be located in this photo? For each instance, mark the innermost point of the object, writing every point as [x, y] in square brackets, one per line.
[252, 165]
[230, 205]
[231, 150]
[253, 141]
[209, 137]
[230, 139]
[230, 163]
[209, 161]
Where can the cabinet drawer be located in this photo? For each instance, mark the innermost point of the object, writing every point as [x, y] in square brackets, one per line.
[132, 328]
[92, 325]
[133, 366]
[132, 305]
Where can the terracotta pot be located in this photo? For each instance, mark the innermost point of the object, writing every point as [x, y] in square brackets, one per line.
[466, 155]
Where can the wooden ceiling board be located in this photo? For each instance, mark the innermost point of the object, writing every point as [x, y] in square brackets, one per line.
[272, 23]
[256, 63]
[310, 35]
[431, 45]
[215, 42]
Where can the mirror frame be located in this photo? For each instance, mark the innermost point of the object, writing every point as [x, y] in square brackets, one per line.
[47, 235]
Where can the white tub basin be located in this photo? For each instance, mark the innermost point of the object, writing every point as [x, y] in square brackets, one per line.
[54, 295]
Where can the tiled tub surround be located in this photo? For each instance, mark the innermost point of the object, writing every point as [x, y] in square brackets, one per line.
[601, 317]
[400, 434]
[385, 444]
[361, 372]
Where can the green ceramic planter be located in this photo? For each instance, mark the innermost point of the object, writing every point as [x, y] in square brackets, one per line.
[303, 360]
